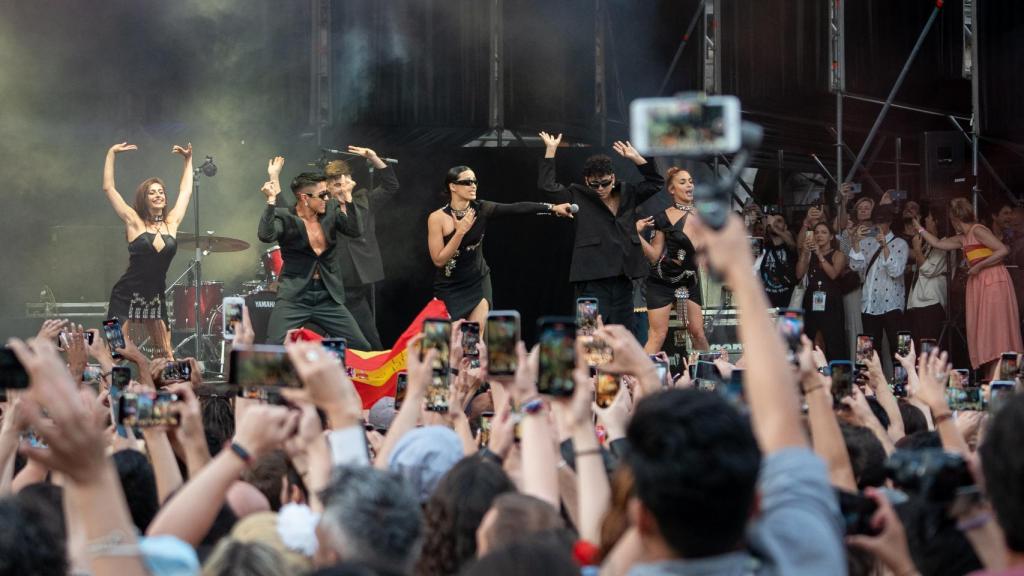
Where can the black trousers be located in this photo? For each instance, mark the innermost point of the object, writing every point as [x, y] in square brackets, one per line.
[889, 324]
[315, 306]
[359, 300]
[614, 299]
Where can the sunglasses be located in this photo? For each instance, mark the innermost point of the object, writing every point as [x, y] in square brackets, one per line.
[323, 195]
[466, 182]
[599, 183]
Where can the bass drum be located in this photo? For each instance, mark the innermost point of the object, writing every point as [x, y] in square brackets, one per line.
[183, 311]
[260, 305]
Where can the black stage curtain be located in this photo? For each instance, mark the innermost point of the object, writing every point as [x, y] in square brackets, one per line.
[774, 54]
[879, 37]
[1000, 32]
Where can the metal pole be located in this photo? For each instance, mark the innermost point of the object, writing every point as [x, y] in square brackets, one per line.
[682, 45]
[969, 136]
[782, 162]
[600, 94]
[198, 258]
[899, 153]
[840, 87]
[975, 100]
[892, 93]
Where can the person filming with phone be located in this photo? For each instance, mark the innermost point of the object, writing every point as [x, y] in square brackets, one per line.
[880, 257]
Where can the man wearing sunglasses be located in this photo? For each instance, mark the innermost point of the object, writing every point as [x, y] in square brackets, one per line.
[607, 255]
[310, 289]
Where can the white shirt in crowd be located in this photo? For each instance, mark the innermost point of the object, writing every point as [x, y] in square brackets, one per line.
[930, 287]
[883, 289]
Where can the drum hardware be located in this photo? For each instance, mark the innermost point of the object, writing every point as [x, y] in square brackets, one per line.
[204, 295]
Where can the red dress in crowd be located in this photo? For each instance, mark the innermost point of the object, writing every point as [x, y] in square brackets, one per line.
[992, 326]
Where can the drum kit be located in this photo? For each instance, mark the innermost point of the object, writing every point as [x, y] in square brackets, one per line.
[259, 294]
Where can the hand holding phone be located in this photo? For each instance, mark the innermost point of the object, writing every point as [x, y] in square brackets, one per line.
[112, 331]
[231, 313]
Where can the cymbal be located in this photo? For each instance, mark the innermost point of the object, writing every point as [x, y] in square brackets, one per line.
[213, 243]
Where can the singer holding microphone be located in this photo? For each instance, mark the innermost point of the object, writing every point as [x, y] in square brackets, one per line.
[137, 299]
[455, 236]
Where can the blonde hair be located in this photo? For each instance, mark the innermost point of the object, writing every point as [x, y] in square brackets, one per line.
[961, 209]
[336, 168]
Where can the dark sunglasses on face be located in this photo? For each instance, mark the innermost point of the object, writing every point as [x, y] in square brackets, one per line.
[323, 195]
[466, 182]
[599, 183]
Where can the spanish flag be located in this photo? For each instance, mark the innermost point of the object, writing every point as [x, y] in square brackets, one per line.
[375, 373]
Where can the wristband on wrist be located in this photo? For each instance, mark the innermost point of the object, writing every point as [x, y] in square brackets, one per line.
[533, 406]
[974, 522]
[241, 453]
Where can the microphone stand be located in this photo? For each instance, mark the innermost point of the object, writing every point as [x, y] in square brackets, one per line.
[197, 260]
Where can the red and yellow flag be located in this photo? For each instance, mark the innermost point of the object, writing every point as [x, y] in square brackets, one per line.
[375, 373]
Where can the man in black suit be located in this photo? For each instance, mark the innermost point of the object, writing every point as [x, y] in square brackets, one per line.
[310, 287]
[359, 258]
[606, 256]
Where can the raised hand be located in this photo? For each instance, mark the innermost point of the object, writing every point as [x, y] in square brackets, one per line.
[364, 152]
[269, 190]
[183, 151]
[274, 166]
[264, 428]
[550, 140]
[51, 329]
[326, 383]
[932, 372]
[626, 150]
[244, 334]
[123, 147]
[643, 224]
[76, 444]
[462, 226]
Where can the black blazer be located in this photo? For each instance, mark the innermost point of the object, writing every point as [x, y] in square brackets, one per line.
[359, 257]
[606, 244]
[283, 225]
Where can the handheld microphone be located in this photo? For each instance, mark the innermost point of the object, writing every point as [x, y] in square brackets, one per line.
[573, 208]
[347, 153]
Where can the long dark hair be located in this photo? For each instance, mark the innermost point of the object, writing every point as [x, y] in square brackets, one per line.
[834, 243]
[141, 206]
[451, 178]
[453, 513]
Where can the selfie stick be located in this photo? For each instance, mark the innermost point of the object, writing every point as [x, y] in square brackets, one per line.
[714, 200]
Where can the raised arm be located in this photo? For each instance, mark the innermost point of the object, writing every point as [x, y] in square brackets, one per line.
[953, 243]
[652, 182]
[770, 390]
[123, 210]
[826, 437]
[653, 249]
[271, 228]
[177, 214]
[440, 251]
[546, 179]
[191, 512]
[389, 181]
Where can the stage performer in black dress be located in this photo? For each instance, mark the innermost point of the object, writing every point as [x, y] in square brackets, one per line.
[675, 277]
[455, 236]
[137, 299]
[310, 289]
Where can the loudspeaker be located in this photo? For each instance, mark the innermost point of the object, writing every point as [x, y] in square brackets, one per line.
[944, 171]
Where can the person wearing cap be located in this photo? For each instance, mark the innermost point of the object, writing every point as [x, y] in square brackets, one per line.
[880, 257]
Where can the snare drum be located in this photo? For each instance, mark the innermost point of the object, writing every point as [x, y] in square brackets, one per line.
[183, 302]
[272, 263]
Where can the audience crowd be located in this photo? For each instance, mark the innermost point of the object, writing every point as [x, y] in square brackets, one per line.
[786, 473]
